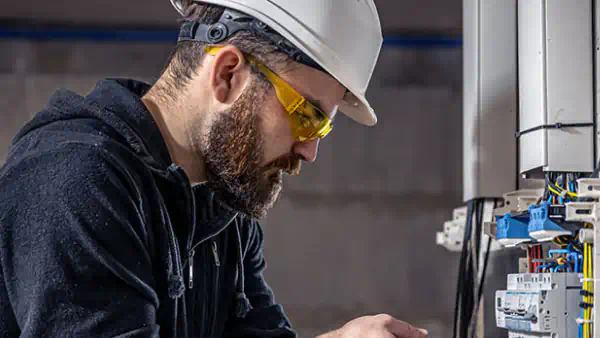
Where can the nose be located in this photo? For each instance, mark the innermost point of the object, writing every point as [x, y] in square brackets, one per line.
[307, 150]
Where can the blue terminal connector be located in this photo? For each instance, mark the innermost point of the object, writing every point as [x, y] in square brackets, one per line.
[513, 229]
[541, 227]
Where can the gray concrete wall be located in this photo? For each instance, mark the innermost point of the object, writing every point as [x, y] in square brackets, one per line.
[355, 234]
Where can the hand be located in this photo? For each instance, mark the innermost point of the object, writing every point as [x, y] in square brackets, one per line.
[380, 326]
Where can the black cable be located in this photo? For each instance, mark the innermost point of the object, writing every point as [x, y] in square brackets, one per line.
[469, 290]
[461, 268]
[478, 230]
[557, 125]
[470, 274]
[467, 296]
[481, 284]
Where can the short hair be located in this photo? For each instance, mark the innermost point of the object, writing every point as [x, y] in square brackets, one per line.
[187, 55]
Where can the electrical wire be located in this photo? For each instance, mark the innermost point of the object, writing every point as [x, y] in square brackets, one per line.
[461, 271]
[529, 254]
[588, 289]
[481, 283]
[553, 186]
[470, 284]
[540, 254]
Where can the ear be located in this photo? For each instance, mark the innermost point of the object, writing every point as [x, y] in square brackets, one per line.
[229, 75]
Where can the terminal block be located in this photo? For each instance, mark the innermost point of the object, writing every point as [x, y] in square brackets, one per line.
[513, 229]
[543, 224]
[454, 231]
[544, 305]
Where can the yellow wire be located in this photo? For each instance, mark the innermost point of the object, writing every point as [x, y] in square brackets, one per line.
[559, 242]
[554, 191]
[587, 286]
[585, 335]
[585, 275]
[561, 189]
[590, 284]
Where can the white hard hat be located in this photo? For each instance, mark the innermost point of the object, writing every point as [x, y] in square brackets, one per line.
[343, 36]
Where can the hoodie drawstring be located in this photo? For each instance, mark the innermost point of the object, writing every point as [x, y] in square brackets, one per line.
[176, 285]
[242, 303]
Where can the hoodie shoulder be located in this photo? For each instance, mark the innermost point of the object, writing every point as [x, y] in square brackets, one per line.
[112, 116]
[64, 166]
[75, 177]
[73, 227]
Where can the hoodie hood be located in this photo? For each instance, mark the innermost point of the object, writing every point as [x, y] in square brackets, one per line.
[117, 111]
[117, 103]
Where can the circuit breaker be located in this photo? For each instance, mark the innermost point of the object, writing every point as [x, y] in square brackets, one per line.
[539, 305]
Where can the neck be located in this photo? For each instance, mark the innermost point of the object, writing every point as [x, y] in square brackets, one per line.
[174, 132]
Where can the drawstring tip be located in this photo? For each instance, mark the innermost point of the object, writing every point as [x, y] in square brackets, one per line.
[176, 286]
[242, 306]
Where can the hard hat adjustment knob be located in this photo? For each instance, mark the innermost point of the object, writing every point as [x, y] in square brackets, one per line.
[261, 25]
[216, 33]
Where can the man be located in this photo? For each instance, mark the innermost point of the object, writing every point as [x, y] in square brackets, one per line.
[132, 211]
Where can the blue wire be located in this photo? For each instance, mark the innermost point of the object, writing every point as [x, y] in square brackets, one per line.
[573, 257]
[550, 199]
[560, 251]
[572, 185]
[567, 269]
[560, 199]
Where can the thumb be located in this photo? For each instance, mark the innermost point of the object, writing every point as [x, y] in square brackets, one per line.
[401, 329]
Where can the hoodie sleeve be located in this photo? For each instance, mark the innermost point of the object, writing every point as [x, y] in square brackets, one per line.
[266, 319]
[74, 249]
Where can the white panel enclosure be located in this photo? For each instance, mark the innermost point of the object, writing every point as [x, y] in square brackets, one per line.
[490, 97]
[556, 85]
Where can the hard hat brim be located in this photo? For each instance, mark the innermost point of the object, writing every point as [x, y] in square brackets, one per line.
[358, 109]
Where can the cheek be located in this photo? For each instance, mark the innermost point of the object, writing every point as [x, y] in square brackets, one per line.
[278, 139]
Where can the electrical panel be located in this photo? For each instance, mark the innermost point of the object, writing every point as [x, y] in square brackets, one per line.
[556, 86]
[490, 98]
[546, 304]
[531, 93]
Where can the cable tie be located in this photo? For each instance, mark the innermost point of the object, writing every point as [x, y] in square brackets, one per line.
[557, 125]
[583, 321]
[588, 279]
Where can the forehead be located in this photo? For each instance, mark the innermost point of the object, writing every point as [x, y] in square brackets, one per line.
[316, 86]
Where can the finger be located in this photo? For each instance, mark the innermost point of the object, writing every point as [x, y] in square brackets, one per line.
[404, 330]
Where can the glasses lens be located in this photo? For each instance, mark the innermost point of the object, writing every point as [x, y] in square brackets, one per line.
[309, 123]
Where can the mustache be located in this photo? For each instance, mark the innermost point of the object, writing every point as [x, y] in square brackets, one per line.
[290, 164]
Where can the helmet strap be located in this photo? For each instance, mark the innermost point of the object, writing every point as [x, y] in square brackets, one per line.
[231, 22]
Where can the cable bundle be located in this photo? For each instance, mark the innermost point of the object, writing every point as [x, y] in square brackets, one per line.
[469, 289]
[585, 327]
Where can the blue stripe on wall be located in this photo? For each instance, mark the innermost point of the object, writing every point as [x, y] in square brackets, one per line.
[168, 36]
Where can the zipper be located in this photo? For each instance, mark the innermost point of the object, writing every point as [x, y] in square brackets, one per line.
[191, 268]
[215, 250]
[191, 251]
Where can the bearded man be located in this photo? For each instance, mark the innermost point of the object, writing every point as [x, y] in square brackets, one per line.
[133, 211]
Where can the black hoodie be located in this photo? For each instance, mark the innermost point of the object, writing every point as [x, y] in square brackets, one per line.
[102, 236]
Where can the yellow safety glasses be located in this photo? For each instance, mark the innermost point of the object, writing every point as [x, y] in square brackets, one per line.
[307, 121]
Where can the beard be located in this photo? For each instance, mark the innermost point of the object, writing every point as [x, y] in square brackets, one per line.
[233, 151]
